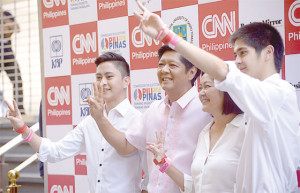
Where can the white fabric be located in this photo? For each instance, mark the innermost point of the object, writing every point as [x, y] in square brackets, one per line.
[118, 173]
[218, 174]
[271, 150]
[182, 123]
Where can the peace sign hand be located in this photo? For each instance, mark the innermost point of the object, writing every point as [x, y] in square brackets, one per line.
[96, 102]
[157, 148]
[150, 23]
[13, 114]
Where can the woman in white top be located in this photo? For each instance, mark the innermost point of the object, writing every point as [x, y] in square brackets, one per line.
[219, 145]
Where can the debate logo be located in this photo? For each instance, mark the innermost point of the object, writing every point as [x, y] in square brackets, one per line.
[50, 3]
[182, 27]
[212, 24]
[147, 94]
[115, 41]
[292, 16]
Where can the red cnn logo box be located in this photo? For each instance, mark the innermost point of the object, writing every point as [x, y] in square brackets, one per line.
[143, 49]
[54, 13]
[61, 184]
[170, 4]
[84, 48]
[111, 9]
[217, 21]
[292, 26]
[58, 100]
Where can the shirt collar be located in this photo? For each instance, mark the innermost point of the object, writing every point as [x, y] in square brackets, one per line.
[185, 99]
[122, 107]
[272, 77]
[238, 120]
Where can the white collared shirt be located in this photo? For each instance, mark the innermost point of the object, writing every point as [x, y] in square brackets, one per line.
[107, 171]
[215, 171]
[181, 122]
[271, 151]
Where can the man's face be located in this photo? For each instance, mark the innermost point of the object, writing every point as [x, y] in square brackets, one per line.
[247, 60]
[172, 75]
[114, 86]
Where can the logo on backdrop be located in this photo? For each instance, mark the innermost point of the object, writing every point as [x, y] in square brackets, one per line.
[54, 13]
[111, 9]
[145, 94]
[218, 21]
[58, 104]
[79, 4]
[56, 51]
[61, 184]
[84, 47]
[85, 90]
[143, 48]
[292, 27]
[80, 165]
[113, 41]
[182, 27]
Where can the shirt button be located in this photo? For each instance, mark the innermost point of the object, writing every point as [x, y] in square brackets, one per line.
[245, 123]
[98, 180]
[102, 149]
[100, 164]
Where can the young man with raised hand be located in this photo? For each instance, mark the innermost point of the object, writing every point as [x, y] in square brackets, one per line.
[179, 116]
[107, 171]
[271, 150]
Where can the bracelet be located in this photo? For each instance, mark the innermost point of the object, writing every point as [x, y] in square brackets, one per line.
[167, 38]
[22, 129]
[174, 41]
[160, 33]
[29, 137]
[162, 160]
[166, 165]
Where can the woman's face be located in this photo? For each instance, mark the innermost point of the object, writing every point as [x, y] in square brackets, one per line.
[210, 97]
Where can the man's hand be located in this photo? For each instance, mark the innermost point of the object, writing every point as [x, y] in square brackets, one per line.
[150, 23]
[157, 148]
[96, 102]
[13, 114]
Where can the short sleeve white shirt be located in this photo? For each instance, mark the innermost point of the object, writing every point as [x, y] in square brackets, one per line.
[271, 150]
[107, 171]
[181, 122]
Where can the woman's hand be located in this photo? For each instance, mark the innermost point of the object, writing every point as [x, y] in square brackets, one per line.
[13, 114]
[157, 148]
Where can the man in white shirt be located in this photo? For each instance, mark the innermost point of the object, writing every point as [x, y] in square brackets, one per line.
[108, 171]
[271, 150]
[179, 116]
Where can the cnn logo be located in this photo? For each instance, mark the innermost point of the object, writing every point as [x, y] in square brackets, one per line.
[62, 95]
[51, 3]
[59, 189]
[85, 43]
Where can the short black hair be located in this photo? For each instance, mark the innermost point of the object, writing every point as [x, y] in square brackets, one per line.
[118, 61]
[188, 64]
[259, 35]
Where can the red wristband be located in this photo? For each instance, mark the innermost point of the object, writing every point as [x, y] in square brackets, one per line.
[162, 161]
[167, 38]
[22, 129]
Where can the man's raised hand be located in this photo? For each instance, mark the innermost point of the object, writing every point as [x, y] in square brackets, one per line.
[13, 114]
[96, 102]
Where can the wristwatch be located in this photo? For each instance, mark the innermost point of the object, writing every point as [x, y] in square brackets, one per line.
[159, 160]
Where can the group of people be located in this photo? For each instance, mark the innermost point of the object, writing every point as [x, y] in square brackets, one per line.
[239, 134]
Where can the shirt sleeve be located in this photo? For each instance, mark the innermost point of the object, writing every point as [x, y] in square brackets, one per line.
[188, 184]
[69, 146]
[259, 99]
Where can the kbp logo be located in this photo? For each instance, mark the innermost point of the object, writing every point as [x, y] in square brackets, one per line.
[294, 21]
[59, 189]
[54, 95]
[85, 43]
[217, 25]
[50, 3]
[139, 38]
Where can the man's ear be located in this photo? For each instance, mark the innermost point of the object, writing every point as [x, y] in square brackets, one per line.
[269, 52]
[126, 81]
[192, 72]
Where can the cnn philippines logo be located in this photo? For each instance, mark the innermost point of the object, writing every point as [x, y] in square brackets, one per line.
[61, 95]
[51, 3]
[86, 42]
[59, 189]
[218, 25]
[294, 21]
[142, 38]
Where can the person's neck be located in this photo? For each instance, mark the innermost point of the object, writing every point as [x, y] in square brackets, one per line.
[177, 94]
[221, 120]
[268, 71]
[112, 104]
